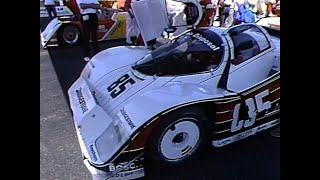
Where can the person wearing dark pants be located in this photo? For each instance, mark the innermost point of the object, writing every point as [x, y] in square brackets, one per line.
[132, 30]
[90, 30]
[89, 19]
[50, 7]
[224, 10]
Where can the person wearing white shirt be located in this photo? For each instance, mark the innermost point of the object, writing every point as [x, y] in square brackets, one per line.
[89, 19]
[224, 10]
[50, 7]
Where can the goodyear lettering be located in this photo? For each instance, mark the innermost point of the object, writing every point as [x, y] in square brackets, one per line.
[244, 135]
[82, 102]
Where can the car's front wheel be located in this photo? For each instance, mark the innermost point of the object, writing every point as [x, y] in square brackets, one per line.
[179, 138]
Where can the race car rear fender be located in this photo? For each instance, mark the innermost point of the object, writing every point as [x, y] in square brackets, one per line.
[146, 108]
[139, 110]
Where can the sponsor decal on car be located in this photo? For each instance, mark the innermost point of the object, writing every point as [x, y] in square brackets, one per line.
[103, 28]
[119, 86]
[254, 106]
[206, 41]
[127, 119]
[82, 102]
[61, 11]
[245, 134]
[93, 153]
[126, 166]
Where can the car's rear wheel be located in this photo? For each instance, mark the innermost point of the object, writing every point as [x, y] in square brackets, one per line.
[179, 138]
[69, 35]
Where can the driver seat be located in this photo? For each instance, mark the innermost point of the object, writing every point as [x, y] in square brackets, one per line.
[245, 50]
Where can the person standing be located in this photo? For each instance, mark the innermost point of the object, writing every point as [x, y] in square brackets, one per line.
[132, 29]
[269, 10]
[89, 19]
[50, 7]
[224, 11]
[208, 14]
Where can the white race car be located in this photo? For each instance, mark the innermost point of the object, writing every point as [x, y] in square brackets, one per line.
[211, 85]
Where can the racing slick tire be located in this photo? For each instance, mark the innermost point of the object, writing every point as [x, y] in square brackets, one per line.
[180, 137]
[69, 35]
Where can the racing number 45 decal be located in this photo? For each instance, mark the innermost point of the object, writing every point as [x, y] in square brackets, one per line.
[254, 106]
[119, 86]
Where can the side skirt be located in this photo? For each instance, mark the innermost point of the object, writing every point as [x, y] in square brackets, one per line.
[245, 134]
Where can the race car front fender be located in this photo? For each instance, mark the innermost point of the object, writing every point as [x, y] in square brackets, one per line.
[50, 30]
[138, 115]
[145, 108]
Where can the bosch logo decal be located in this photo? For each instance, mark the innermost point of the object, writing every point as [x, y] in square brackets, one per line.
[81, 100]
[132, 166]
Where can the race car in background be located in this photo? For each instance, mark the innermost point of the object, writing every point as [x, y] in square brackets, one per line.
[207, 86]
[270, 23]
[67, 27]
[68, 30]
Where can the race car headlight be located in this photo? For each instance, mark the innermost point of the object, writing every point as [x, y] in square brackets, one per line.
[111, 140]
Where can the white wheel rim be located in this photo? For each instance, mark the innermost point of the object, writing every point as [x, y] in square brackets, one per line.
[70, 34]
[180, 142]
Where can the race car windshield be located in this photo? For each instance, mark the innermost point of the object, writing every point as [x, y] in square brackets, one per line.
[170, 47]
[178, 53]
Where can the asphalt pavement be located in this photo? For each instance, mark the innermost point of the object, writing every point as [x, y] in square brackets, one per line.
[60, 156]
[255, 158]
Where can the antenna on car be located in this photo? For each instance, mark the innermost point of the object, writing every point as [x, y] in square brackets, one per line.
[87, 59]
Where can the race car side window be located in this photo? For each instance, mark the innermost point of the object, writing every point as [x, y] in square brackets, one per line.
[248, 43]
[253, 57]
